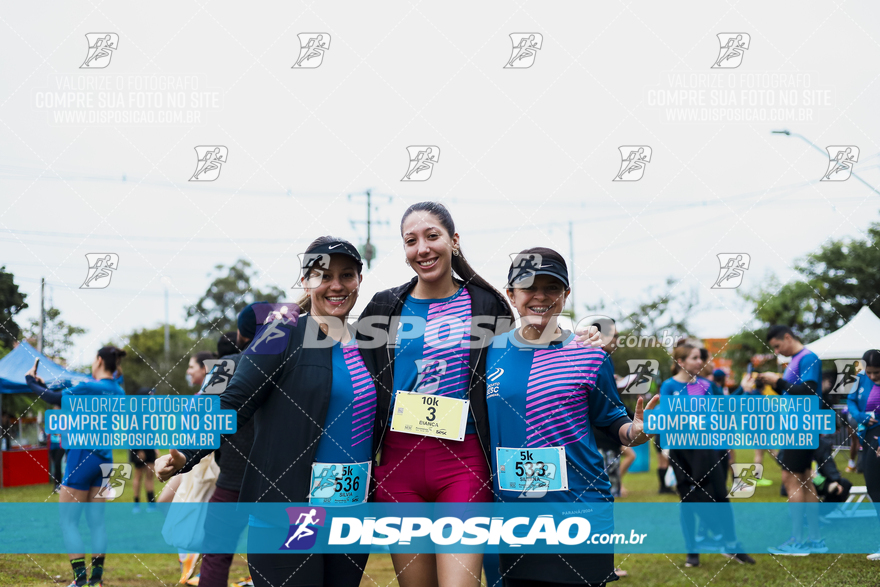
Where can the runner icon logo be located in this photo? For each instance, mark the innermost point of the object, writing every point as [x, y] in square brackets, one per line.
[210, 160]
[421, 162]
[526, 266]
[746, 476]
[633, 159]
[114, 477]
[641, 373]
[312, 267]
[525, 48]
[304, 524]
[220, 372]
[732, 48]
[101, 268]
[841, 159]
[101, 49]
[847, 370]
[733, 267]
[311, 50]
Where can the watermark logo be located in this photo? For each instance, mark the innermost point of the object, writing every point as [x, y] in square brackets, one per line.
[312, 267]
[101, 49]
[220, 372]
[847, 372]
[641, 373]
[421, 162]
[525, 267]
[210, 159]
[745, 479]
[525, 48]
[274, 330]
[114, 476]
[101, 268]
[431, 371]
[841, 159]
[732, 48]
[311, 50]
[304, 523]
[733, 268]
[633, 159]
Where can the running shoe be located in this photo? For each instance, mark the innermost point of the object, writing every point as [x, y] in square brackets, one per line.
[875, 556]
[764, 482]
[740, 557]
[136, 509]
[151, 507]
[188, 567]
[790, 547]
[243, 582]
[817, 546]
[693, 560]
[194, 580]
[617, 571]
[98, 584]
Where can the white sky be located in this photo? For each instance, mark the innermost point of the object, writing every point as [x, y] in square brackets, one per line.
[523, 151]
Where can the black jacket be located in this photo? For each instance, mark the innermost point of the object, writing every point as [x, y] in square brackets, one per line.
[233, 458]
[380, 361]
[287, 395]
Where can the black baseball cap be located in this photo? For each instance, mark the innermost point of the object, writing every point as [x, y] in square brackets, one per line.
[526, 268]
[337, 246]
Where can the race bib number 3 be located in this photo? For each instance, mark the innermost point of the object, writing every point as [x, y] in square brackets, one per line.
[339, 484]
[529, 470]
[430, 415]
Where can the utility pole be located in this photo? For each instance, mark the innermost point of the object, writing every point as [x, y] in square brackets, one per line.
[42, 313]
[571, 270]
[368, 251]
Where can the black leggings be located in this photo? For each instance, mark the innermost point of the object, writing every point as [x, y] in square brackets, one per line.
[872, 466]
[315, 570]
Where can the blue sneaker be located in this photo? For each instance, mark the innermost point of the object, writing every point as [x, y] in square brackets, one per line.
[817, 546]
[151, 507]
[790, 547]
[136, 509]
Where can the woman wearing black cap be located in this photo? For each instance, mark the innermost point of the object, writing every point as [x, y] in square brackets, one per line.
[548, 393]
[317, 403]
[83, 476]
[450, 313]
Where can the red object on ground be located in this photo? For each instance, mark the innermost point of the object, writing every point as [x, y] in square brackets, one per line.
[25, 467]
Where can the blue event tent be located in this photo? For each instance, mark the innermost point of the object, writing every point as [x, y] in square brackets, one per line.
[19, 361]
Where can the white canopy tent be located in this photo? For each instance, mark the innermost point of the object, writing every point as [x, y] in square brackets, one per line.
[852, 339]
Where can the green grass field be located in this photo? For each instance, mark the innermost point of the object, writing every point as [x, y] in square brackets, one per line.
[150, 570]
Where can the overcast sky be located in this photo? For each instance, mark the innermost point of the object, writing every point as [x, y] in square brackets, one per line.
[523, 151]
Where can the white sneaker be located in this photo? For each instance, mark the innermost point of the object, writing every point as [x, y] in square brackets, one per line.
[875, 556]
[790, 547]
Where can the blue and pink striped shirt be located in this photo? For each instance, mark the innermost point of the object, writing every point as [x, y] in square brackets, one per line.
[551, 396]
[433, 349]
[348, 427]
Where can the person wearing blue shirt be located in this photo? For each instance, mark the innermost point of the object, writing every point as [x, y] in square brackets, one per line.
[546, 393]
[701, 474]
[863, 403]
[802, 376]
[83, 477]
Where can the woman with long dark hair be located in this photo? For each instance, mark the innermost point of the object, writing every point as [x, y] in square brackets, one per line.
[430, 350]
[317, 401]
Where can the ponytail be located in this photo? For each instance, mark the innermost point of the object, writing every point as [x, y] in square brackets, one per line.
[111, 356]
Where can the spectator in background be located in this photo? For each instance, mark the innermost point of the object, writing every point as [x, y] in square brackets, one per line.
[56, 455]
[719, 377]
[142, 460]
[233, 459]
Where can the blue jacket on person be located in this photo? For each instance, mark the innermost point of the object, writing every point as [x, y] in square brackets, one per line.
[857, 400]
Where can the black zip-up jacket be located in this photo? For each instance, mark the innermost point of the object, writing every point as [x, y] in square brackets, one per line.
[380, 361]
[287, 395]
[233, 458]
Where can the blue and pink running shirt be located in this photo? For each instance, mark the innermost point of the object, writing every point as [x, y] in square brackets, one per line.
[805, 366]
[433, 348]
[701, 386]
[552, 396]
[348, 427]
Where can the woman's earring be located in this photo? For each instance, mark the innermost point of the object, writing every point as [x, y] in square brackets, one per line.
[408, 264]
[455, 251]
